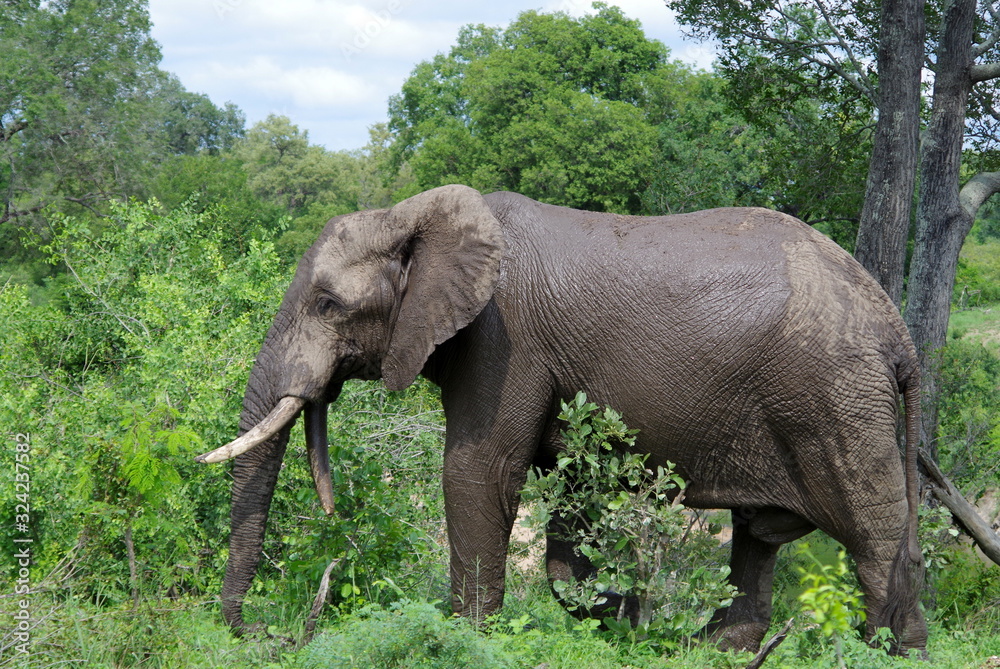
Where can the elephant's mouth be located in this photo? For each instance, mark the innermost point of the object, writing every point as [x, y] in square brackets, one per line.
[283, 416]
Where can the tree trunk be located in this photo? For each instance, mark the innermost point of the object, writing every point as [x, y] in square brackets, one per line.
[942, 222]
[885, 216]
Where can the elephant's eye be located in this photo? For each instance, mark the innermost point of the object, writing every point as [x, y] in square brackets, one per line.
[327, 305]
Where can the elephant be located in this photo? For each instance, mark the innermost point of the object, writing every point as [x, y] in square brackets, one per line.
[747, 348]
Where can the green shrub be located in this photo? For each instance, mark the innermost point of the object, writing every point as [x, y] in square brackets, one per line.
[628, 521]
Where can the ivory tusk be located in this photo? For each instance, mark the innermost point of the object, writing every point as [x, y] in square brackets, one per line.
[280, 416]
[318, 447]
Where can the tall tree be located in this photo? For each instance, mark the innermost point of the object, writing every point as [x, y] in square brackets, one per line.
[945, 213]
[802, 158]
[193, 124]
[554, 107]
[76, 89]
[885, 216]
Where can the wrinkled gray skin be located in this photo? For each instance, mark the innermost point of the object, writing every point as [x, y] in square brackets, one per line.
[746, 348]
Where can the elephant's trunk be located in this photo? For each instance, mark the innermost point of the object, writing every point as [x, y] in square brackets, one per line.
[255, 474]
[265, 422]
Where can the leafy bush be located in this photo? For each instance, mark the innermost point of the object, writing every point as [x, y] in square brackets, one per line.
[834, 604]
[968, 592]
[628, 521]
[139, 355]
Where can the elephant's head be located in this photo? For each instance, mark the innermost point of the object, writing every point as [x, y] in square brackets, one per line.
[371, 298]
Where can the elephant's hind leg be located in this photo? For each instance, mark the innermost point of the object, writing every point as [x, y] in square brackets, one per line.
[757, 536]
[890, 583]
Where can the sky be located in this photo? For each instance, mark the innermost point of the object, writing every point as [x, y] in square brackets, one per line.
[331, 65]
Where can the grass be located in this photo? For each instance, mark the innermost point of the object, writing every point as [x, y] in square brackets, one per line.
[980, 324]
[531, 631]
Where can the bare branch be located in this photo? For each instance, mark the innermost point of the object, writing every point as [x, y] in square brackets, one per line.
[6, 134]
[846, 46]
[771, 644]
[990, 40]
[82, 201]
[100, 298]
[8, 214]
[986, 104]
[964, 513]
[861, 84]
[978, 190]
[318, 603]
[984, 72]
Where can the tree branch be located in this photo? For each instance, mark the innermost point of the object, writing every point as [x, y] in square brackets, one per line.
[82, 201]
[978, 190]
[990, 40]
[771, 644]
[318, 603]
[8, 214]
[857, 80]
[8, 133]
[984, 72]
[846, 47]
[964, 513]
[986, 104]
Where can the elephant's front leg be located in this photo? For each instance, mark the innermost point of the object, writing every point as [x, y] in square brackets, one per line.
[482, 488]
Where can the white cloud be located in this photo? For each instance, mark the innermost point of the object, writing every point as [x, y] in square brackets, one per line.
[330, 65]
[309, 87]
[700, 55]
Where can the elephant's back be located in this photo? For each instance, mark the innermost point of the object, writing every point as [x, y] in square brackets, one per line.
[712, 332]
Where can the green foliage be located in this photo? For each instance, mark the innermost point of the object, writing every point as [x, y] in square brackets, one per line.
[284, 167]
[385, 470]
[987, 224]
[193, 124]
[218, 184]
[628, 521]
[553, 107]
[309, 183]
[144, 343]
[968, 592]
[968, 380]
[834, 606]
[713, 154]
[75, 78]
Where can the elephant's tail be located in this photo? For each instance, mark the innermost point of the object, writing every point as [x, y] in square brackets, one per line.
[911, 397]
[907, 575]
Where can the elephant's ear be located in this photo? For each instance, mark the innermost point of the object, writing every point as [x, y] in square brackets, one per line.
[455, 246]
